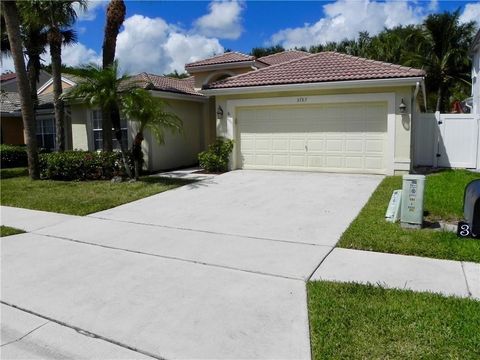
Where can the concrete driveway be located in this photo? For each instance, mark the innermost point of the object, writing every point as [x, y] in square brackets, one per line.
[215, 269]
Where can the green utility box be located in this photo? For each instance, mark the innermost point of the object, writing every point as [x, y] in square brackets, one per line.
[412, 201]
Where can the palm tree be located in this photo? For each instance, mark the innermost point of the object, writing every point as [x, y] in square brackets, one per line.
[12, 25]
[141, 107]
[103, 88]
[114, 19]
[443, 52]
[56, 16]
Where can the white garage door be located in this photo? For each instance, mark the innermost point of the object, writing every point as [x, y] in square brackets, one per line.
[329, 137]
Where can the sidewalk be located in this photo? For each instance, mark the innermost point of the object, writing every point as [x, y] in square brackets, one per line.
[415, 273]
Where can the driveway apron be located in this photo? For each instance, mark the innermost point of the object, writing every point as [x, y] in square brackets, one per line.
[215, 269]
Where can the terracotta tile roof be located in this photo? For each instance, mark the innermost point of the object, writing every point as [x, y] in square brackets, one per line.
[283, 56]
[7, 76]
[165, 83]
[10, 101]
[321, 67]
[229, 57]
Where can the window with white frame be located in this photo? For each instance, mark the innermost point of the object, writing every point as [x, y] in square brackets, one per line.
[98, 135]
[46, 133]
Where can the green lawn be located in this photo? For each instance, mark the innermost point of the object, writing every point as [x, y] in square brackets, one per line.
[443, 200]
[7, 231]
[351, 321]
[76, 197]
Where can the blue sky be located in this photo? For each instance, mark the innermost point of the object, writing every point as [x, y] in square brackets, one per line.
[161, 36]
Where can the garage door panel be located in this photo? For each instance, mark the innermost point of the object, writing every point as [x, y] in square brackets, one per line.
[314, 145]
[354, 145]
[374, 163]
[355, 162]
[334, 144]
[331, 137]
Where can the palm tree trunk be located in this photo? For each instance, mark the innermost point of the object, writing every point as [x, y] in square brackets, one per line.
[115, 116]
[107, 144]
[439, 98]
[56, 56]
[137, 152]
[12, 22]
[115, 16]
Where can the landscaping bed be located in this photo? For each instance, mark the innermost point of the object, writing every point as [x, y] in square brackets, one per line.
[351, 321]
[443, 201]
[76, 197]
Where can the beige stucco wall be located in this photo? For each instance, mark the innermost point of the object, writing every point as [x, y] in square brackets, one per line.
[49, 89]
[179, 149]
[80, 115]
[201, 78]
[403, 144]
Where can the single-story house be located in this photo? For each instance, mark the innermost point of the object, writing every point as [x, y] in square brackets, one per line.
[288, 111]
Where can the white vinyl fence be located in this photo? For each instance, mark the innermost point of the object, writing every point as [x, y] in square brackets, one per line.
[446, 140]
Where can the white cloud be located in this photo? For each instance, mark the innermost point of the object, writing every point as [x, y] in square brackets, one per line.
[77, 55]
[153, 45]
[471, 12]
[346, 18]
[92, 7]
[223, 21]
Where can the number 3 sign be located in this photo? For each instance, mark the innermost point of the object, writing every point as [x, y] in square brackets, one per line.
[463, 230]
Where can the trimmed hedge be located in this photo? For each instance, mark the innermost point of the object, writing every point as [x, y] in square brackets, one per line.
[81, 165]
[13, 156]
[215, 159]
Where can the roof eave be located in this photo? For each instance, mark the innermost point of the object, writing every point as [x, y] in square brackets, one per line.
[178, 96]
[368, 83]
[228, 65]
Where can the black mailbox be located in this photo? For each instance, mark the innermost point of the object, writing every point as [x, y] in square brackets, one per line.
[471, 211]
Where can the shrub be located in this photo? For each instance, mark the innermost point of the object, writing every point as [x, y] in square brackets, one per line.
[215, 159]
[13, 156]
[81, 165]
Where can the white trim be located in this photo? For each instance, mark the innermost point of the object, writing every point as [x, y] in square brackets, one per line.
[50, 82]
[233, 105]
[315, 86]
[176, 96]
[228, 65]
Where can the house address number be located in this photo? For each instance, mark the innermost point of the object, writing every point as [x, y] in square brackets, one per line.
[302, 100]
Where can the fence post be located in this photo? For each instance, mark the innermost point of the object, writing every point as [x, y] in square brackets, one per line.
[436, 142]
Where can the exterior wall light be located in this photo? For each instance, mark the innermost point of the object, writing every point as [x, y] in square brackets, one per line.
[220, 112]
[402, 107]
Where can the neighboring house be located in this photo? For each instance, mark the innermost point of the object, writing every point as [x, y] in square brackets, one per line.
[8, 81]
[288, 111]
[11, 116]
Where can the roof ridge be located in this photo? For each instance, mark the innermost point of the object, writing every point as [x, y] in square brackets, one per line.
[396, 66]
[268, 67]
[285, 51]
[219, 55]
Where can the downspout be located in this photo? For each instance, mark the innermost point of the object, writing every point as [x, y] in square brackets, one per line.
[413, 119]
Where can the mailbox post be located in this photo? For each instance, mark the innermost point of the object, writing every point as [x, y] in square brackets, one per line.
[412, 201]
[471, 211]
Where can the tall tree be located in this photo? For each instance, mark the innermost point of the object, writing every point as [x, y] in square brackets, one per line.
[114, 19]
[149, 113]
[57, 16]
[12, 25]
[443, 52]
[259, 52]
